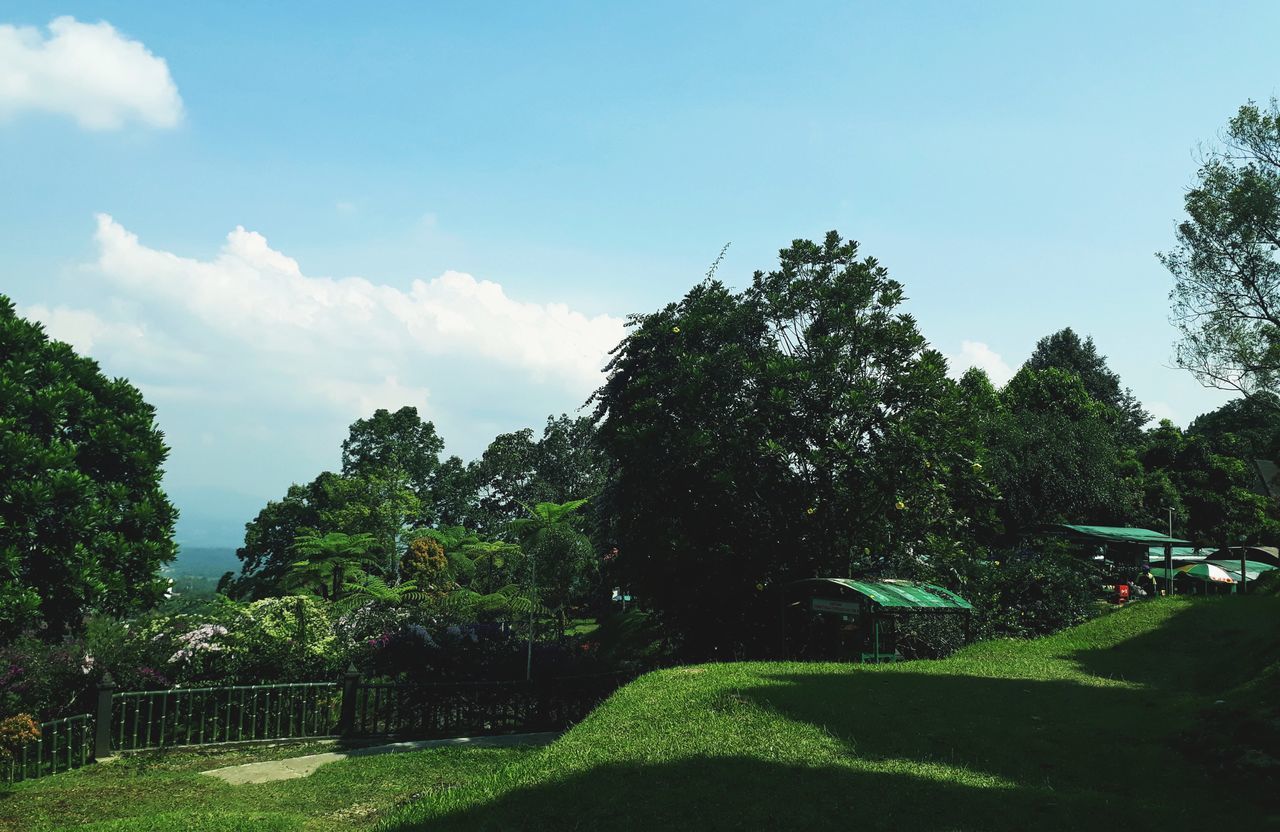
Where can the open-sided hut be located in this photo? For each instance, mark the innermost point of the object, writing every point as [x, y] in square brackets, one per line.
[848, 619]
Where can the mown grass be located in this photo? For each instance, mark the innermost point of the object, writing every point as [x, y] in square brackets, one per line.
[1083, 729]
[1096, 726]
[166, 793]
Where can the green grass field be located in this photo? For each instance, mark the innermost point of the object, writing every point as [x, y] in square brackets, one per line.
[1102, 724]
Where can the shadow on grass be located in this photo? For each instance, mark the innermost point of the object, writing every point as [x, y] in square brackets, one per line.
[738, 793]
[1071, 755]
[1209, 646]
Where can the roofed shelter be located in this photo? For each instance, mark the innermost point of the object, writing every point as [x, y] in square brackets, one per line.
[857, 616]
[1124, 546]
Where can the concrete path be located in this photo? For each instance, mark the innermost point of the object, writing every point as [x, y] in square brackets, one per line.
[302, 766]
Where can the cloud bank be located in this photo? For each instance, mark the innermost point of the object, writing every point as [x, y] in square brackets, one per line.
[977, 354]
[249, 330]
[88, 71]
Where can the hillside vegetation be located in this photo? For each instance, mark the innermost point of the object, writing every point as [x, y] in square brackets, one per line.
[1159, 716]
[1114, 721]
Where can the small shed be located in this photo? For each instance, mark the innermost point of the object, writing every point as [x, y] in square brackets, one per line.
[843, 618]
[1126, 548]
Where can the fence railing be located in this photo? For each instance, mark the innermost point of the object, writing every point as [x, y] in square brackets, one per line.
[457, 708]
[187, 717]
[151, 719]
[63, 744]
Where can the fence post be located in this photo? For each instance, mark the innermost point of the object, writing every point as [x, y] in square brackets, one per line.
[102, 718]
[347, 719]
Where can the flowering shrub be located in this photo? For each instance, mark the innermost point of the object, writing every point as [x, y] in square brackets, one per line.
[15, 732]
[207, 638]
[43, 679]
[287, 639]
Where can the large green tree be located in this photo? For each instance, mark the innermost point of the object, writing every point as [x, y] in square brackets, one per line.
[1247, 428]
[1065, 350]
[801, 427]
[84, 524]
[1225, 264]
[1055, 456]
[1210, 492]
[517, 470]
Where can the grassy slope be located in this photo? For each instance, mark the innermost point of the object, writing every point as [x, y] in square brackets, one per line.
[1068, 732]
[166, 793]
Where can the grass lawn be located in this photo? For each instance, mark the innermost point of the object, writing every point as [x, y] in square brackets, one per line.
[166, 793]
[1084, 729]
[1077, 731]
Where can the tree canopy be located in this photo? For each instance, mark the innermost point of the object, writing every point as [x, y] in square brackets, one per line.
[799, 427]
[1226, 270]
[84, 524]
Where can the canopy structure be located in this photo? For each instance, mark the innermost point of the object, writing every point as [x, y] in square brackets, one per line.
[1201, 571]
[1260, 554]
[1115, 534]
[1252, 568]
[889, 594]
[1185, 554]
[839, 618]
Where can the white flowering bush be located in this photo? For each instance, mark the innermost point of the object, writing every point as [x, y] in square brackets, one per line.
[287, 639]
[205, 639]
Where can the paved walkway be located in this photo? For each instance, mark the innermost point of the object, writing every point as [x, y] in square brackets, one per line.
[302, 766]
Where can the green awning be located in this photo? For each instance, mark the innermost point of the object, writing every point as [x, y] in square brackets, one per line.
[900, 595]
[1156, 553]
[1116, 534]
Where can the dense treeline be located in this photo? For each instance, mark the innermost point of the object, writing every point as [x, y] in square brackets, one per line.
[801, 426]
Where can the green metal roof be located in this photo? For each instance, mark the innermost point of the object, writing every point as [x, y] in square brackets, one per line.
[903, 595]
[1119, 534]
[1156, 553]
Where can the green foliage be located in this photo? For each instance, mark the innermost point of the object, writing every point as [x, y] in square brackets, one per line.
[561, 556]
[1226, 293]
[516, 471]
[1055, 456]
[772, 434]
[84, 525]
[1247, 428]
[1211, 493]
[425, 563]
[330, 562]
[398, 441]
[1029, 594]
[1063, 350]
[1006, 735]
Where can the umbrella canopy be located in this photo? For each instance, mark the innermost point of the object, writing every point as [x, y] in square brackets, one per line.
[1252, 566]
[1207, 572]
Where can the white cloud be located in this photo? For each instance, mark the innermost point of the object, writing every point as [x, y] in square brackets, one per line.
[88, 71]
[1161, 410]
[977, 354]
[353, 335]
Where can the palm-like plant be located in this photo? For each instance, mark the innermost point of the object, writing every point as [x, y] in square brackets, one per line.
[543, 520]
[366, 588]
[330, 561]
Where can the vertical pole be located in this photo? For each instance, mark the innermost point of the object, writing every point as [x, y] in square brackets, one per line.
[102, 718]
[1168, 566]
[875, 628]
[533, 602]
[299, 611]
[1244, 579]
[347, 719]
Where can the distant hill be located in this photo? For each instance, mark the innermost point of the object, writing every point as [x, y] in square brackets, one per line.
[204, 562]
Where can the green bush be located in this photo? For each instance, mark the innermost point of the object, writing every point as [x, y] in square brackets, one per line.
[1027, 594]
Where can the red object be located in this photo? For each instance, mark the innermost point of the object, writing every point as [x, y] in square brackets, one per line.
[1122, 593]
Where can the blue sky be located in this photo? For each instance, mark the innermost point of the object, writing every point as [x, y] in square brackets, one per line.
[510, 180]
